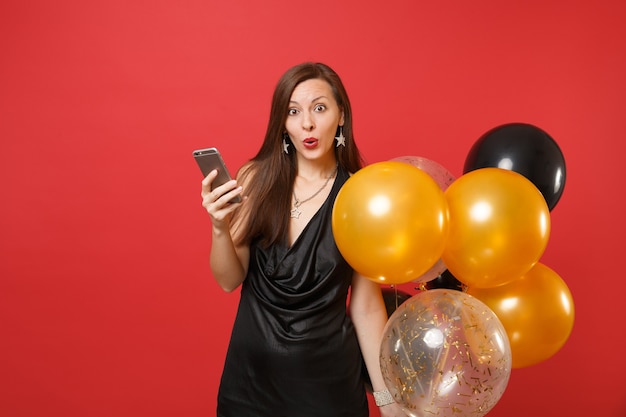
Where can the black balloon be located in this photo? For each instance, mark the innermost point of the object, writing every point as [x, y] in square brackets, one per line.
[393, 297]
[525, 149]
[446, 281]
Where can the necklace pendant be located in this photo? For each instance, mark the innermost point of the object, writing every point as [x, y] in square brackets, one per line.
[295, 213]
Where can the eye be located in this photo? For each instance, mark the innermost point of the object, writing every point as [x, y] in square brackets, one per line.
[320, 107]
[292, 112]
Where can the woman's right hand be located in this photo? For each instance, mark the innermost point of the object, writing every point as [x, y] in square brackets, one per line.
[217, 201]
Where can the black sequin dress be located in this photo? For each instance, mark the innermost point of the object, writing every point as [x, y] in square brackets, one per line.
[293, 350]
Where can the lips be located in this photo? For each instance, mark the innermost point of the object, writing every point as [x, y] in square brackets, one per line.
[310, 143]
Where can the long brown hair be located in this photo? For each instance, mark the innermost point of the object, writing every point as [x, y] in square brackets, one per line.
[271, 173]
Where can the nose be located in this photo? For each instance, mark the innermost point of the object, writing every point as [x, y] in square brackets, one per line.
[307, 122]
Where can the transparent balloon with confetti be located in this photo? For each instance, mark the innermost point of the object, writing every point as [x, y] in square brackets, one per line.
[445, 353]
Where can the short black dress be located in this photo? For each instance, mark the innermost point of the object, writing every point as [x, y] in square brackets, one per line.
[293, 350]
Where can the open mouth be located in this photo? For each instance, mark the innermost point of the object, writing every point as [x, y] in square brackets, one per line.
[310, 142]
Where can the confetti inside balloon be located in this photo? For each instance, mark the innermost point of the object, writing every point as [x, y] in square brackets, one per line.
[445, 353]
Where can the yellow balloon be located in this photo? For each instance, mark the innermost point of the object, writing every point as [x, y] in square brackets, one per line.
[390, 222]
[499, 225]
[537, 312]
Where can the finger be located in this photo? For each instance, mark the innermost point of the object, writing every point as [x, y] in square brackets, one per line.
[232, 197]
[209, 178]
[225, 188]
[215, 200]
[220, 210]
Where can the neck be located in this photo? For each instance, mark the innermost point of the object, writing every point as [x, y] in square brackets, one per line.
[317, 170]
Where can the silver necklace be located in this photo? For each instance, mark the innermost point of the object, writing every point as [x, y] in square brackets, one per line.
[295, 211]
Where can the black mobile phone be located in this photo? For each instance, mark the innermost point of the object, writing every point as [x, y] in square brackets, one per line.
[209, 159]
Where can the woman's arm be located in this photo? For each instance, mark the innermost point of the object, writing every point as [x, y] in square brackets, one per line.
[369, 315]
[229, 262]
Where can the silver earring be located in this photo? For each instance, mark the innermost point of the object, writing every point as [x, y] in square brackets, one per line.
[285, 143]
[341, 139]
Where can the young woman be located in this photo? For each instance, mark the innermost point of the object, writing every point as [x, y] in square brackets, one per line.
[295, 348]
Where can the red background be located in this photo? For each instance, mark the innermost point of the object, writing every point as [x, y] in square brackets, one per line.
[107, 304]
